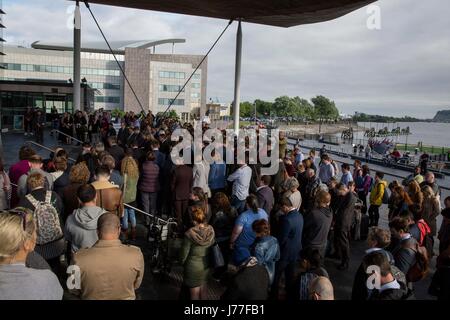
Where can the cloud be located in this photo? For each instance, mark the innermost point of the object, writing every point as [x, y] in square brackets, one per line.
[404, 68]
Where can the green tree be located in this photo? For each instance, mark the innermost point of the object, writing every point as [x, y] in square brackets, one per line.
[246, 109]
[284, 106]
[324, 108]
[263, 108]
[170, 114]
[304, 109]
[117, 113]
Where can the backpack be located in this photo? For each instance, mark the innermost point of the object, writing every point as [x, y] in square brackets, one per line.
[386, 196]
[419, 269]
[47, 219]
[426, 239]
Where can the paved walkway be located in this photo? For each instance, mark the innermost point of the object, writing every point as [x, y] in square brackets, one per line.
[167, 286]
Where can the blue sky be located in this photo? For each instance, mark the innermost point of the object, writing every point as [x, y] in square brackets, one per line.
[402, 69]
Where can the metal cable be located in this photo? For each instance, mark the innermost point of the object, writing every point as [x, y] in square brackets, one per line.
[110, 49]
[192, 74]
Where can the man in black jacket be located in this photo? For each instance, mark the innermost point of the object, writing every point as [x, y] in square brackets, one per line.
[444, 231]
[403, 244]
[39, 121]
[122, 135]
[383, 285]
[116, 151]
[290, 241]
[343, 222]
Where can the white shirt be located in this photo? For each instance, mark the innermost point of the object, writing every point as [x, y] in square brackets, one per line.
[200, 173]
[241, 185]
[390, 285]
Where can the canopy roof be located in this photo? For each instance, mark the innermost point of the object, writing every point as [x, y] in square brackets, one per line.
[281, 13]
[100, 46]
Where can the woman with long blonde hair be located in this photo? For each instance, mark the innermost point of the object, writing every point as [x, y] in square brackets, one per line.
[415, 194]
[17, 240]
[130, 173]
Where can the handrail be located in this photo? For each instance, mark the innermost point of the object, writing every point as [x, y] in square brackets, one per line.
[47, 148]
[349, 162]
[67, 135]
[136, 209]
[150, 215]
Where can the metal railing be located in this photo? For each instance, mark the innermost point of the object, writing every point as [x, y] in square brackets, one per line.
[168, 221]
[48, 149]
[290, 145]
[67, 135]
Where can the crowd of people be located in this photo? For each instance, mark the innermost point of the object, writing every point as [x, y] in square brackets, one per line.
[273, 231]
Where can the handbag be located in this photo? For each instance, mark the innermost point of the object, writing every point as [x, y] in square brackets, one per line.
[216, 256]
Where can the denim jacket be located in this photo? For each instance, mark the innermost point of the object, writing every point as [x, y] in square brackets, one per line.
[217, 176]
[267, 251]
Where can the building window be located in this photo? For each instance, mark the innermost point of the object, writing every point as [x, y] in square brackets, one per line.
[195, 95]
[104, 85]
[195, 85]
[166, 102]
[170, 88]
[101, 56]
[107, 99]
[172, 75]
[60, 69]
[197, 76]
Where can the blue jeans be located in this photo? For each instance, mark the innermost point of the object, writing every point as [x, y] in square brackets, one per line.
[239, 205]
[128, 214]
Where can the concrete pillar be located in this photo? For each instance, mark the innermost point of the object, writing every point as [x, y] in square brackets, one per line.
[237, 78]
[77, 59]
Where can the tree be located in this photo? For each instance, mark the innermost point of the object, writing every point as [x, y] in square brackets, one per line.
[246, 109]
[170, 114]
[117, 113]
[284, 106]
[263, 107]
[304, 109]
[324, 109]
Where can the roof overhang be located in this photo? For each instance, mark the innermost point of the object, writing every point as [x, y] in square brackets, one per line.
[118, 47]
[281, 13]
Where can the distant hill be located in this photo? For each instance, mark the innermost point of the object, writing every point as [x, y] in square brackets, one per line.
[442, 116]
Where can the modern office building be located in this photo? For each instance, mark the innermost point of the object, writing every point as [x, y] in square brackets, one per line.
[155, 78]
[2, 40]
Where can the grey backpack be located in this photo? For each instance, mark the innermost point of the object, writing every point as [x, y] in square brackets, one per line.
[48, 226]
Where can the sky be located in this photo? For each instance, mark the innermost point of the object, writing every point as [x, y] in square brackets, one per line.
[401, 69]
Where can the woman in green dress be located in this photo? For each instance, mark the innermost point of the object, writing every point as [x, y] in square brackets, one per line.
[194, 255]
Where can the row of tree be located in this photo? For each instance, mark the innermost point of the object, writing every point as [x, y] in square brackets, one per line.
[318, 109]
[363, 117]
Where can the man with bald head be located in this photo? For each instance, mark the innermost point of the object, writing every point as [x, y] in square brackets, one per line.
[321, 289]
[110, 270]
